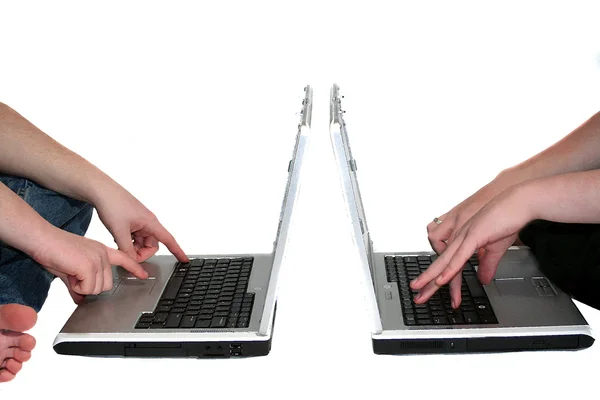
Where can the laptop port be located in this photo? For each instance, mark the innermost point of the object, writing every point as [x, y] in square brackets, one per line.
[235, 346]
[236, 353]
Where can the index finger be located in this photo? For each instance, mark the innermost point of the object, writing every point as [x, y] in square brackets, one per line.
[168, 240]
[435, 268]
[459, 259]
[120, 258]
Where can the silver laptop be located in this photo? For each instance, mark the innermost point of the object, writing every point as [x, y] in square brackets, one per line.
[216, 305]
[519, 310]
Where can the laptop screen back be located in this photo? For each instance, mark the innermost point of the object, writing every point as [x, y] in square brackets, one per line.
[347, 173]
[289, 198]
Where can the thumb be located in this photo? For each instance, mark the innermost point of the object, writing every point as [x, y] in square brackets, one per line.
[73, 283]
[488, 264]
[125, 243]
[70, 281]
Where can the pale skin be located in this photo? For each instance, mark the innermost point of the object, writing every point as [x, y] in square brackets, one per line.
[560, 184]
[83, 264]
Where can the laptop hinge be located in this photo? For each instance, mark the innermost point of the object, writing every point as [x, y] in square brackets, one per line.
[369, 245]
[352, 165]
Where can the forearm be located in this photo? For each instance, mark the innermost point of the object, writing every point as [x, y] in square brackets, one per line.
[578, 151]
[28, 152]
[568, 198]
[20, 225]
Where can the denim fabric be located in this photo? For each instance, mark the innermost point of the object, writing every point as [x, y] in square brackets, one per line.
[22, 280]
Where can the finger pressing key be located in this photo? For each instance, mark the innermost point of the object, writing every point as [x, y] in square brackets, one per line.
[458, 259]
[168, 240]
[434, 270]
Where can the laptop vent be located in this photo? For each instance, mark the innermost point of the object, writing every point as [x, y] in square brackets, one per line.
[422, 344]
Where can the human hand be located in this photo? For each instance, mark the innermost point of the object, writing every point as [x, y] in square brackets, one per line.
[491, 231]
[440, 233]
[84, 264]
[134, 228]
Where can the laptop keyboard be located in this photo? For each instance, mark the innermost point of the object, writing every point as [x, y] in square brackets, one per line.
[204, 293]
[475, 307]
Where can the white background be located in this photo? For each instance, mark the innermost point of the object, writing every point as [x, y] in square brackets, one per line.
[193, 109]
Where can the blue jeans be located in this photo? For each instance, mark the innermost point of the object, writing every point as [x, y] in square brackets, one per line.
[22, 280]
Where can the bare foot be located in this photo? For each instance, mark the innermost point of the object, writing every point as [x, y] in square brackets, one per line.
[15, 346]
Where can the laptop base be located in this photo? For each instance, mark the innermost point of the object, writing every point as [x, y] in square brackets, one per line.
[166, 349]
[481, 344]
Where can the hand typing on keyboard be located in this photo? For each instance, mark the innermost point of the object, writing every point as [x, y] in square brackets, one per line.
[560, 184]
[489, 232]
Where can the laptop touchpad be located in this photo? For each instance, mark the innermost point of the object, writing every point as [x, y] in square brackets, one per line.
[136, 286]
[515, 287]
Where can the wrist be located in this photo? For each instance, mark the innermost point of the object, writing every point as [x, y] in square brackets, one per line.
[524, 195]
[40, 241]
[98, 188]
[510, 177]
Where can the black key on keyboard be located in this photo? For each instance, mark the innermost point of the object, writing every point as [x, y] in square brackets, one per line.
[488, 319]
[218, 322]
[202, 323]
[474, 286]
[172, 288]
[160, 317]
[188, 321]
[471, 317]
[173, 320]
[163, 309]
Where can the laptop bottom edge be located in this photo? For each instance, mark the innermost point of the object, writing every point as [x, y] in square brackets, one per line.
[492, 344]
[196, 349]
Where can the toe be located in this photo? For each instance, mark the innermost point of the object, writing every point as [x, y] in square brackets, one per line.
[26, 342]
[17, 339]
[6, 376]
[21, 355]
[13, 366]
[18, 318]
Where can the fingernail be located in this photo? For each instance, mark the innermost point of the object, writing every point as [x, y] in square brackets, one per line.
[417, 297]
[453, 304]
[414, 281]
